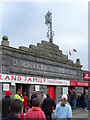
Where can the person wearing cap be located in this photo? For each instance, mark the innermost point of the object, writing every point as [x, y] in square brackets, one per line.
[19, 96]
[5, 104]
[63, 109]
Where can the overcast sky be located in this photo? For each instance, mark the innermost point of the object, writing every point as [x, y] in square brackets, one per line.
[24, 24]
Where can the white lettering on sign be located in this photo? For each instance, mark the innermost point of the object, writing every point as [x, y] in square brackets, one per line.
[76, 83]
[32, 80]
[86, 76]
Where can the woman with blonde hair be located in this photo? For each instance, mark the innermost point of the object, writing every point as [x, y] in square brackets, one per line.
[63, 109]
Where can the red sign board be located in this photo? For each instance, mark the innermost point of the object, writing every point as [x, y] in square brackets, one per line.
[86, 76]
[75, 83]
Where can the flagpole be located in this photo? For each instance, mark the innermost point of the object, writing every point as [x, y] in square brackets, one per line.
[67, 54]
[74, 51]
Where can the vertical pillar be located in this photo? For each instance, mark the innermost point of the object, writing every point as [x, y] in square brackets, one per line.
[0, 83]
[58, 94]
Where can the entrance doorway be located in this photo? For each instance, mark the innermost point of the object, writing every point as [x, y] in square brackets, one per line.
[51, 91]
[23, 88]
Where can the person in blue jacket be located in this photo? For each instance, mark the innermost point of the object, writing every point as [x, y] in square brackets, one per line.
[63, 109]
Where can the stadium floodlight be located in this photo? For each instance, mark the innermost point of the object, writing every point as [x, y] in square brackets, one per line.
[48, 18]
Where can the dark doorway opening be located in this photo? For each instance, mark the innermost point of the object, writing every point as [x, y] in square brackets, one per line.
[23, 88]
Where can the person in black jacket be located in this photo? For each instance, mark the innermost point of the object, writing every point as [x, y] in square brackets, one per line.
[47, 105]
[82, 99]
[5, 104]
[16, 110]
[34, 95]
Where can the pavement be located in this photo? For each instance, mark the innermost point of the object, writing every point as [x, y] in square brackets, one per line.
[75, 112]
[81, 113]
[78, 110]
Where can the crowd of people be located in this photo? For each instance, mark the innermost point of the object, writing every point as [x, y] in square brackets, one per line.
[78, 99]
[21, 108]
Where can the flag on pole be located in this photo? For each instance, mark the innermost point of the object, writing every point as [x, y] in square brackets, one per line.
[74, 50]
[69, 52]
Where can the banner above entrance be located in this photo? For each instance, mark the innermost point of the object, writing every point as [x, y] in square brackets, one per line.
[76, 83]
[86, 76]
[32, 80]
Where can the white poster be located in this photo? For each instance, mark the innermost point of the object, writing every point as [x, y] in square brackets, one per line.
[5, 87]
[65, 90]
[36, 87]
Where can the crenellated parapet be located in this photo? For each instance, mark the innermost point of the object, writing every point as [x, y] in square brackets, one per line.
[48, 50]
[45, 59]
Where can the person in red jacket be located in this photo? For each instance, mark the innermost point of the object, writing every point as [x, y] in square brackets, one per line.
[35, 112]
[25, 102]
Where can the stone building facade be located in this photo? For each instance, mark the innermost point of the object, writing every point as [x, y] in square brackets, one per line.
[45, 60]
